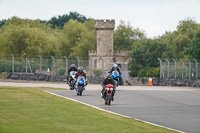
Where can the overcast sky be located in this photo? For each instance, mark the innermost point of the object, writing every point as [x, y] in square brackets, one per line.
[153, 16]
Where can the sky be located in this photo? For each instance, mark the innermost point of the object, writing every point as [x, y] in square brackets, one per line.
[155, 17]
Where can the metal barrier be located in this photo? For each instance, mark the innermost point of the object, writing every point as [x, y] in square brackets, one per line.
[179, 69]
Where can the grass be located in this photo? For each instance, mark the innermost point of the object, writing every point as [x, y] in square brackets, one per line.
[31, 110]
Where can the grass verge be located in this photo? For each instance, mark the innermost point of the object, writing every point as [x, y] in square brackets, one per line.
[31, 110]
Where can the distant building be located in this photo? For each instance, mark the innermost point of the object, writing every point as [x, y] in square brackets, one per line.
[104, 57]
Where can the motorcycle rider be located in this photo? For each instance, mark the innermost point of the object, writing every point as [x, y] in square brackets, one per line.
[73, 68]
[106, 81]
[81, 73]
[115, 67]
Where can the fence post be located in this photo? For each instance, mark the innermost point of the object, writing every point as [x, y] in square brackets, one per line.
[167, 67]
[102, 66]
[90, 62]
[181, 68]
[161, 69]
[66, 62]
[53, 61]
[189, 68]
[196, 68]
[78, 60]
[40, 63]
[26, 63]
[13, 63]
[175, 67]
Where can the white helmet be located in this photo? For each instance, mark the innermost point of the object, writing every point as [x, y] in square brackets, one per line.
[115, 66]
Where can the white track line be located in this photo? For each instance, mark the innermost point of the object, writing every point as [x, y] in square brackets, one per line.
[112, 112]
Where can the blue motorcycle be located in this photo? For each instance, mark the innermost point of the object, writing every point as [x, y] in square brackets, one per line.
[115, 77]
[80, 85]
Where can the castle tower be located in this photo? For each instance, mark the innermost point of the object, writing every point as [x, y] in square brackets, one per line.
[105, 37]
[104, 42]
[104, 57]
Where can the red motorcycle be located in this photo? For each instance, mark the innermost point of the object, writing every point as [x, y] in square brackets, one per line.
[109, 91]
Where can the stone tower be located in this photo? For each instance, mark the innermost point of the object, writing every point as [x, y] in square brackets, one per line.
[105, 37]
[104, 57]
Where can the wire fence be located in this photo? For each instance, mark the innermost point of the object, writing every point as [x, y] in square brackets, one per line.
[40, 65]
[179, 69]
[55, 69]
[49, 69]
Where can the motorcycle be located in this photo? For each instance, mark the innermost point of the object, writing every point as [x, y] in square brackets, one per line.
[108, 94]
[72, 80]
[80, 85]
[115, 77]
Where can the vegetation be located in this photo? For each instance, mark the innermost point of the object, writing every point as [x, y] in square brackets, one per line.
[31, 110]
[34, 37]
[97, 72]
[73, 35]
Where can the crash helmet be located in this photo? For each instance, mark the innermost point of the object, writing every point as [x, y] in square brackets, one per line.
[108, 76]
[80, 69]
[72, 65]
[115, 66]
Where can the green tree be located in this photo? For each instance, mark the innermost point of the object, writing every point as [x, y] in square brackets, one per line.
[193, 50]
[180, 39]
[2, 22]
[125, 36]
[61, 20]
[145, 55]
[29, 37]
[80, 37]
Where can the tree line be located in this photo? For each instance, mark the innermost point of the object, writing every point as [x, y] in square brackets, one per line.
[73, 35]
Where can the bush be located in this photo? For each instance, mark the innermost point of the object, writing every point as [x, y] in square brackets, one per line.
[97, 72]
[150, 72]
[5, 66]
[153, 72]
[61, 71]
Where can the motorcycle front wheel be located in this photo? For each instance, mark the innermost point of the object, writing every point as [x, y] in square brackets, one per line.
[109, 99]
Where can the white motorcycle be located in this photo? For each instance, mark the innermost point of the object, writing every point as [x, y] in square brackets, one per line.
[72, 79]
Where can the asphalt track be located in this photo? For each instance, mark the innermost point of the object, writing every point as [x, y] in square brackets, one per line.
[172, 107]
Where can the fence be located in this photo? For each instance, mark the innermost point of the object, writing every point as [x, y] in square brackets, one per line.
[51, 69]
[179, 69]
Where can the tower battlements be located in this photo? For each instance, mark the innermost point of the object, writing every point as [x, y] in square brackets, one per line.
[105, 24]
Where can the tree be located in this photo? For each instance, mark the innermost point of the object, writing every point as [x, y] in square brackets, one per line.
[193, 50]
[2, 22]
[145, 55]
[180, 39]
[87, 41]
[125, 36]
[29, 37]
[81, 37]
[61, 20]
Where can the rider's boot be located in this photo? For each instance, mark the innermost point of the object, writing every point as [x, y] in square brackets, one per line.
[102, 95]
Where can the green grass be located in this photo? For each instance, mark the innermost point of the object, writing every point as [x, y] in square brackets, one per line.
[30, 110]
